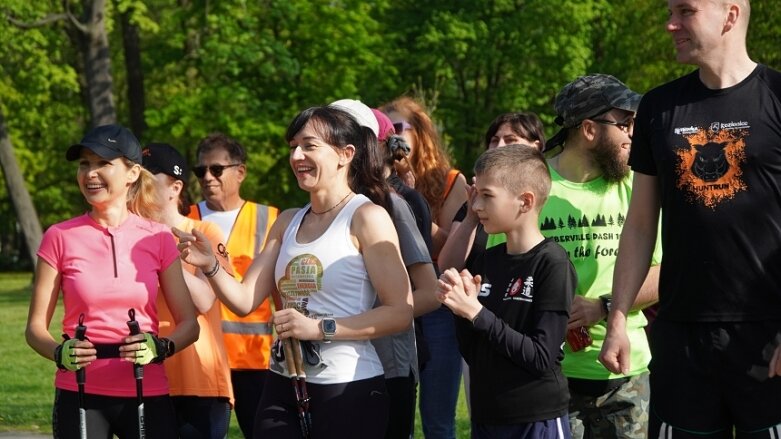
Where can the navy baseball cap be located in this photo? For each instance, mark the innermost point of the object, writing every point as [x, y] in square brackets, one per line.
[109, 142]
[587, 97]
[162, 157]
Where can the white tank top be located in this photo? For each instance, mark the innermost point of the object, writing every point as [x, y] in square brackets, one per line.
[327, 278]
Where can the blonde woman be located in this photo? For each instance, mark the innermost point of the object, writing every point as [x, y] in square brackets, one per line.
[106, 262]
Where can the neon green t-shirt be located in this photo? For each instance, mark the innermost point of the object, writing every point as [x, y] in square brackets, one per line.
[586, 219]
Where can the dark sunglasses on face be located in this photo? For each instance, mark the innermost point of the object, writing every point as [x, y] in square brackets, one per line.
[216, 170]
[625, 126]
[400, 127]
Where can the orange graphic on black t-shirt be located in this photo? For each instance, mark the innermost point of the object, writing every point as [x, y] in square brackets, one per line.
[710, 170]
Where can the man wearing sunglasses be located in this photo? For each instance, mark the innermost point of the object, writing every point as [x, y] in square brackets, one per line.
[589, 198]
[221, 169]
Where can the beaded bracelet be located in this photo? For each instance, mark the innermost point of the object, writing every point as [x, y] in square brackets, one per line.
[213, 271]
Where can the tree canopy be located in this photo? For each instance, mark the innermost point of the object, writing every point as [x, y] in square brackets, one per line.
[191, 67]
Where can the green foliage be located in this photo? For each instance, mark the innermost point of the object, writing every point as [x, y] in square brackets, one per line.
[39, 96]
[246, 68]
[26, 378]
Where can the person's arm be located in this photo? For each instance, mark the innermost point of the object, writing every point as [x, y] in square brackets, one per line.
[240, 297]
[588, 312]
[200, 292]
[455, 199]
[424, 281]
[46, 289]
[177, 296]
[635, 249]
[379, 245]
[535, 351]
[460, 239]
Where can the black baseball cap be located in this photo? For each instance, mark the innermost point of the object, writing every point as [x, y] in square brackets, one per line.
[162, 157]
[587, 97]
[109, 142]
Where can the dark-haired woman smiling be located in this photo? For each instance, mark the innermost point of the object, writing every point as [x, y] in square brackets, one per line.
[329, 261]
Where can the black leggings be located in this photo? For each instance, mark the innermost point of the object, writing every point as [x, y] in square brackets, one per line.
[402, 392]
[356, 409]
[247, 389]
[112, 415]
[202, 416]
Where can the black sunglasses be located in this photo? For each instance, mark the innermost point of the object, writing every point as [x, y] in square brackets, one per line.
[216, 170]
[625, 126]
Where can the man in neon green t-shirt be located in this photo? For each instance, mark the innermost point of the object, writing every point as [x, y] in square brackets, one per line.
[585, 212]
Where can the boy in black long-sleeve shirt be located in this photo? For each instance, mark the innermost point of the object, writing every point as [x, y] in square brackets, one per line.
[513, 314]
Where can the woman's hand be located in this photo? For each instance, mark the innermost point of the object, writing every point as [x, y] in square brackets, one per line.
[290, 323]
[195, 249]
[75, 354]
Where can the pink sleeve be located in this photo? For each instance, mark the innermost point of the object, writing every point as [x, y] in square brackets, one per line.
[50, 249]
[168, 251]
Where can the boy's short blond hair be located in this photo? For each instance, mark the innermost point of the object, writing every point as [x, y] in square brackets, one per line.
[518, 168]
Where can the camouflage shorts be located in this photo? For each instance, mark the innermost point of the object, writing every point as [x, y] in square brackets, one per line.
[619, 413]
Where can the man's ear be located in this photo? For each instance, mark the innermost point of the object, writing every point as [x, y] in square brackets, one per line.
[731, 20]
[241, 172]
[589, 129]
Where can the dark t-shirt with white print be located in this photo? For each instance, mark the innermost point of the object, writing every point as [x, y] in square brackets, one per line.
[514, 346]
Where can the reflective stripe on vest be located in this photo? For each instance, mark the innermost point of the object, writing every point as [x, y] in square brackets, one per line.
[246, 328]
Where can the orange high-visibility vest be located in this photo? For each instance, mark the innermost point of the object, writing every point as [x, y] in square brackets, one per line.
[247, 339]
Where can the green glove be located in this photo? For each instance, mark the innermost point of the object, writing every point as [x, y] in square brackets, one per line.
[154, 350]
[68, 360]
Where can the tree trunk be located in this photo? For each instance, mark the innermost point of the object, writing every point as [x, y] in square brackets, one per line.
[26, 214]
[97, 65]
[135, 74]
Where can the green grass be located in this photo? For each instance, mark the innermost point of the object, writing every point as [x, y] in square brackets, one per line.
[27, 379]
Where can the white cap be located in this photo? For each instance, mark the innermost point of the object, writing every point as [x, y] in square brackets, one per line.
[360, 112]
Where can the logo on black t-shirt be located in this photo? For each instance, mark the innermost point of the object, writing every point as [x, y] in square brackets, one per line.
[485, 290]
[710, 166]
[520, 289]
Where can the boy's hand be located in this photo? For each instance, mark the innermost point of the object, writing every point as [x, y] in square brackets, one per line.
[458, 291]
[471, 193]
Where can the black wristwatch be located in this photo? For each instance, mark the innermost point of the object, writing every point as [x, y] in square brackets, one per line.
[607, 303]
[328, 327]
[168, 346]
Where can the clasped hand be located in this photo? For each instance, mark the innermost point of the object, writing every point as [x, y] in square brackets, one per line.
[458, 291]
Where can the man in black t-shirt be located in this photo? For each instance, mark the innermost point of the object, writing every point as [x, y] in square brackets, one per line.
[511, 326]
[706, 152]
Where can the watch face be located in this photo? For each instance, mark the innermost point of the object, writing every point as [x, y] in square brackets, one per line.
[329, 326]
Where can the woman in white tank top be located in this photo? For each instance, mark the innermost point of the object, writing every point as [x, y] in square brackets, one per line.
[329, 261]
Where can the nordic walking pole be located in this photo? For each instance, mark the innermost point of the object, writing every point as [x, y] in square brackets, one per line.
[138, 371]
[298, 362]
[81, 378]
[302, 398]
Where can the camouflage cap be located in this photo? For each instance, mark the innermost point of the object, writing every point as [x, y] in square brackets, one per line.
[589, 96]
